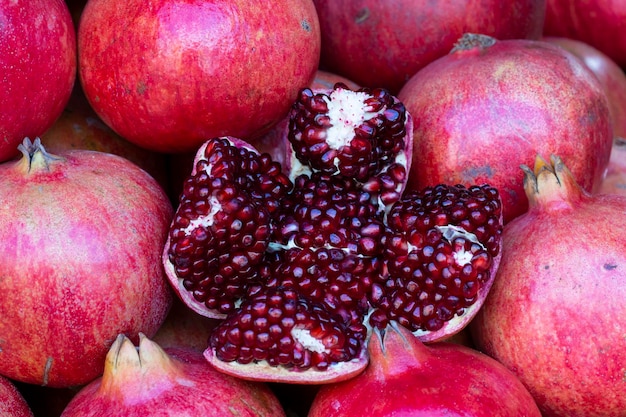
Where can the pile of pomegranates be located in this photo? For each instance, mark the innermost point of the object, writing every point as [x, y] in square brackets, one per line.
[312, 208]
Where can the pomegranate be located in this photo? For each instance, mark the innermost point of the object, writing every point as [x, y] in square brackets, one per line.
[12, 403]
[383, 43]
[490, 105]
[150, 380]
[615, 180]
[406, 377]
[38, 61]
[563, 266]
[611, 76]
[168, 74]
[299, 264]
[598, 23]
[81, 235]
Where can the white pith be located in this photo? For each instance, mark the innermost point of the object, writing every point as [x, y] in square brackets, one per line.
[346, 112]
[310, 343]
[205, 221]
[450, 232]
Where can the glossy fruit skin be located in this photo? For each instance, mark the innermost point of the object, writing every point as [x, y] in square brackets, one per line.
[383, 43]
[12, 403]
[178, 72]
[35, 90]
[81, 242]
[408, 378]
[598, 23]
[482, 111]
[563, 266]
[611, 76]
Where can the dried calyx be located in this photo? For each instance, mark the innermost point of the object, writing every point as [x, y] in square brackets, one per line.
[301, 262]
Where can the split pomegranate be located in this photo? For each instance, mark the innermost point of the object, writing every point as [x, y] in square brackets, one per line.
[299, 263]
[38, 61]
[12, 403]
[168, 74]
[554, 315]
[406, 377]
[81, 235]
[383, 43]
[149, 380]
[490, 105]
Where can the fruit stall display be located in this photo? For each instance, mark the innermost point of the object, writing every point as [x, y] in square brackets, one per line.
[312, 208]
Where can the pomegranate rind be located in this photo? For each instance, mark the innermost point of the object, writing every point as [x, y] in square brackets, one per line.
[263, 372]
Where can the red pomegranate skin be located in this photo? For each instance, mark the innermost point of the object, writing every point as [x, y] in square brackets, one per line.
[481, 112]
[38, 61]
[407, 378]
[168, 74]
[599, 23]
[611, 76]
[12, 403]
[555, 314]
[383, 43]
[81, 241]
[615, 180]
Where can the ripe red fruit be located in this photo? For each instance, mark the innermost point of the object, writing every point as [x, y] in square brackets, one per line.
[169, 74]
[81, 234]
[12, 403]
[563, 266]
[407, 378]
[38, 61]
[490, 105]
[383, 43]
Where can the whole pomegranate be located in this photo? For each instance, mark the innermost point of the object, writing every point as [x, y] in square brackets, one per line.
[599, 23]
[81, 235]
[406, 377]
[491, 105]
[383, 43]
[556, 311]
[168, 74]
[149, 380]
[38, 61]
[12, 403]
[297, 261]
[611, 76]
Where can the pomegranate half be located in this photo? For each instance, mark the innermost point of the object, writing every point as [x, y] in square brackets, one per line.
[81, 235]
[555, 314]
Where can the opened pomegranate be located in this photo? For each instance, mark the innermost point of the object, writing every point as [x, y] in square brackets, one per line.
[301, 262]
[149, 380]
[38, 61]
[12, 403]
[491, 105]
[383, 43]
[555, 313]
[406, 377]
[168, 74]
[81, 234]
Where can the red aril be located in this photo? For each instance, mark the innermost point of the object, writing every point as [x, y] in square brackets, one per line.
[407, 378]
[554, 313]
[383, 43]
[38, 61]
[169, 74]
[81, 235]
[149, 380]
[12, 403]
[491, 105]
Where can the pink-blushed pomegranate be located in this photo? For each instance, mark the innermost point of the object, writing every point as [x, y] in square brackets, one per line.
[81, 237]
[611, 76]
[491, 105]
[383, 43]
[300, 261]
[615, 180]
[38, 61]
[167, 75]
[554, 314]
[150, 380]
[12, 403]
[598, 23]
[408, 378]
